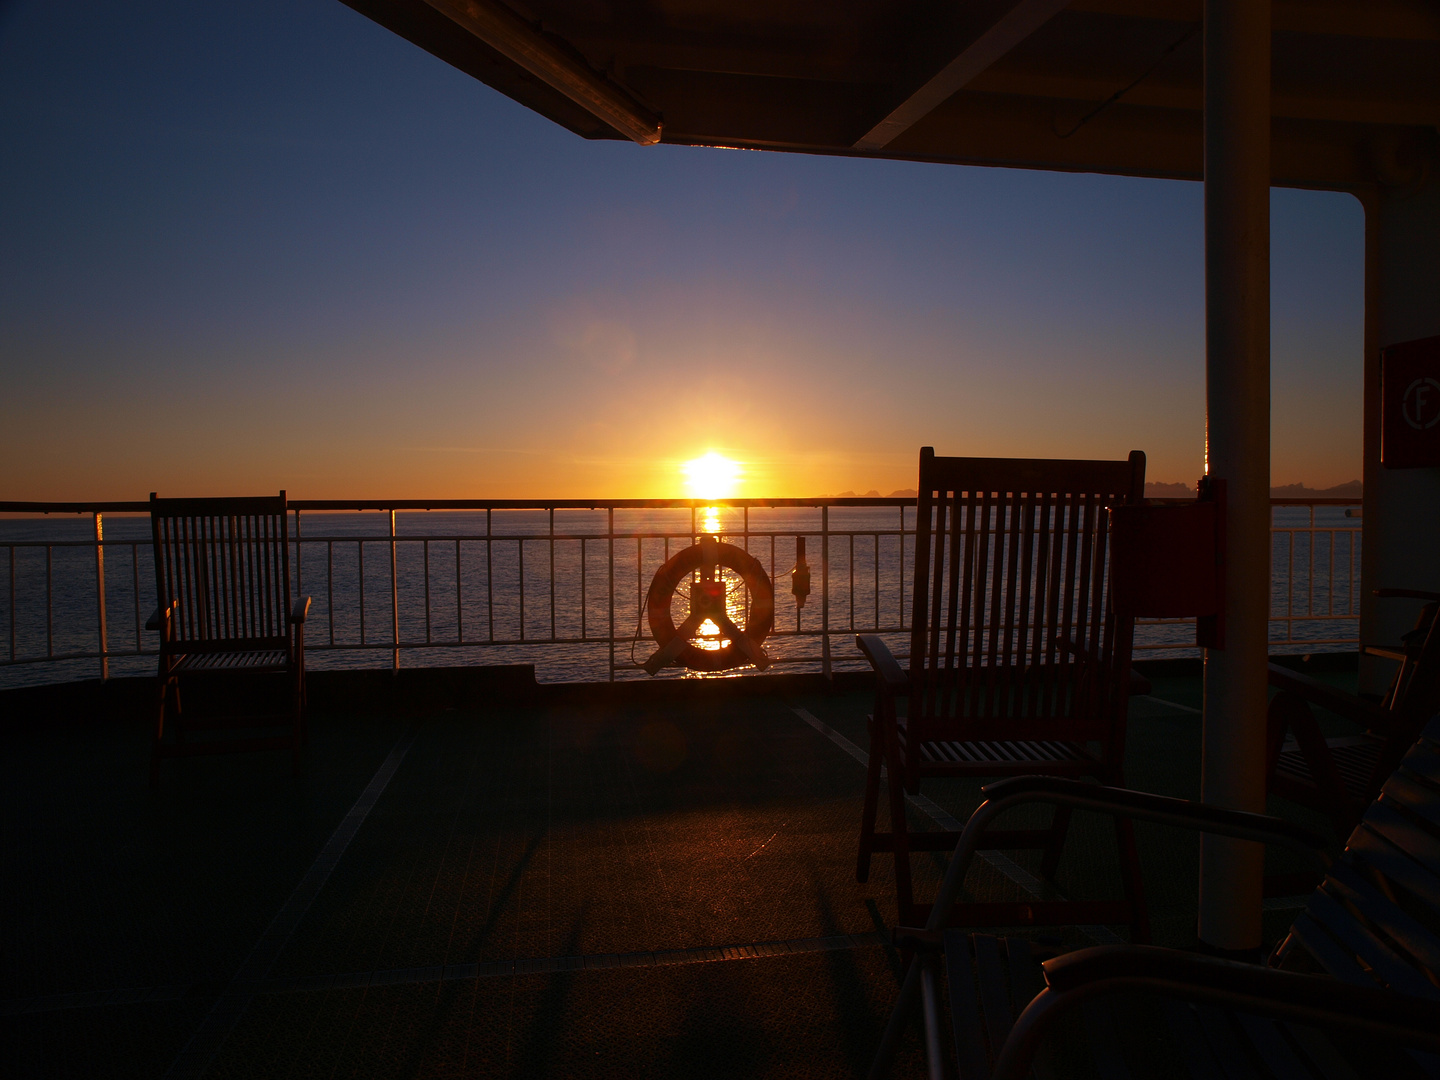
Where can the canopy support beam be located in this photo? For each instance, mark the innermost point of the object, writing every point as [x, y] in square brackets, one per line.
[1237, 449]
[1017, 22]
[514, 38]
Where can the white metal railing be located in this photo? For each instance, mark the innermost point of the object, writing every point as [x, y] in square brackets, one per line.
[562, 583]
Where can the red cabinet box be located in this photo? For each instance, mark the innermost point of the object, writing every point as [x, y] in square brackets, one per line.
[1410, 404]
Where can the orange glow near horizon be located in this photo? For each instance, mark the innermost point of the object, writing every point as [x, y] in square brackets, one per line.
[712, 476]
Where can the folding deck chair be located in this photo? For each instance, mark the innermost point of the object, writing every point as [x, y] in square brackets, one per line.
[1352, 991]
[1018, 665]
[222, 578]
[1340, 776]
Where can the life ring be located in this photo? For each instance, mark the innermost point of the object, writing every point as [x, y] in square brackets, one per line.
[707, 601]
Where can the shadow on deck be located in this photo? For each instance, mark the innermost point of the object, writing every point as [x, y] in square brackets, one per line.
[563, 886]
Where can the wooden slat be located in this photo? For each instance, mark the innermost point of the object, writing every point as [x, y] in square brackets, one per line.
[993, 1006]
[1369, 848]
[1013, 515]
[1415, 842]
[1024, 704]
[1268, 1041]
[1199, 1058]
[1373, 953]
[1318, 1050]
[971, 1056]
[1217, 1028]
[1104, 1035]
[1337, 961]
[1399, 926]
[1415, 796]
[1027, 978]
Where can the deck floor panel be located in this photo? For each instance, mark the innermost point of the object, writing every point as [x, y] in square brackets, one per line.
[568, 836]
[779, 1016]
[541, 890]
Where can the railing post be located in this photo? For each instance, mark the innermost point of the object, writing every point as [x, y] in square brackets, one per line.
[825, 591]
[394, 602]
[299, 579]
[12, 603]
[100, 597]
[610, 560]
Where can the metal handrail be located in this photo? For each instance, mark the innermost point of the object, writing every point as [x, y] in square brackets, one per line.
[1333, 606]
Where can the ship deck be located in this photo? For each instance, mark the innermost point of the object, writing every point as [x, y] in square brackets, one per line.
[560, 886]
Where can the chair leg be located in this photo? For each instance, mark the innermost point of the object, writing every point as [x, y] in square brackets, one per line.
[155, 746]
[900, 834]
[872, 802]
[1055, 844]
[1130, 876]
[297, 725]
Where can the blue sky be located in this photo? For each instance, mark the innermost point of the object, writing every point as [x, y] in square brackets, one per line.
[255, 245]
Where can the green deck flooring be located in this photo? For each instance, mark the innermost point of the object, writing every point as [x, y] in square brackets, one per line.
[552, 890]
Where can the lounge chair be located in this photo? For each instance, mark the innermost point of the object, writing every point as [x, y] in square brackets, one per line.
[1341, 775]
[1352, 990]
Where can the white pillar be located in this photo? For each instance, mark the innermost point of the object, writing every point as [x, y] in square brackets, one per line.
[1401, 545]
[1237, 449]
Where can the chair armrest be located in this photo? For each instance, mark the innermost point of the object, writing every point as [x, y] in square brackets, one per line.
[1314, 1000]
[892, 675]
[1407, 594]
[1326, 696]
[1386, 654]
[300, 609]
[1004, 795]
[158, 618]
[1161, 809]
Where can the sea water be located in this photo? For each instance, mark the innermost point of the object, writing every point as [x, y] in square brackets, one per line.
[500, 590]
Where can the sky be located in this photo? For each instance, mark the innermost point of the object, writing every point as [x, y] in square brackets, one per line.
[263, 245]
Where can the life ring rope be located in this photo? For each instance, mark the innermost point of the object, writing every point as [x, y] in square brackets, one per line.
[708, 602]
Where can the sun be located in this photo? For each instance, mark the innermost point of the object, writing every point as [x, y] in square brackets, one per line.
[712, 476]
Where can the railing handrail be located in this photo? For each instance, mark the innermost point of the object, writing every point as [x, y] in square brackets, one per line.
[363, 505]
[603, 539]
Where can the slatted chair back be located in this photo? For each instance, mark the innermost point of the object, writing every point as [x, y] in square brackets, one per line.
[223, 568]
[1375, 919]
[1013, 636]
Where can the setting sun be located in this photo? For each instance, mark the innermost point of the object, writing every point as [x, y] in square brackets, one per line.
[712, 476]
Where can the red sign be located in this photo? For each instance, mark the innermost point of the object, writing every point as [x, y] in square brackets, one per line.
[1410, 404]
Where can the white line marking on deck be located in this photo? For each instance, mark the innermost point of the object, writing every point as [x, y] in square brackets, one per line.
[200, 1051]
[942, 817]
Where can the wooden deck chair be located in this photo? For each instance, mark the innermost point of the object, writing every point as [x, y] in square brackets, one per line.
[1340, 776]
[222, 577]
[1017, 664]
[1352, 991]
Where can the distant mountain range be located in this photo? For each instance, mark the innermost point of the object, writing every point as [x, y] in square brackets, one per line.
[1351, 489]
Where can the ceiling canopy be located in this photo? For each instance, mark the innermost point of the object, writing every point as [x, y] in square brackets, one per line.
[1111, 86]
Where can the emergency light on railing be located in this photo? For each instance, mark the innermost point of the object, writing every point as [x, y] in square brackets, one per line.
[1168, 561]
